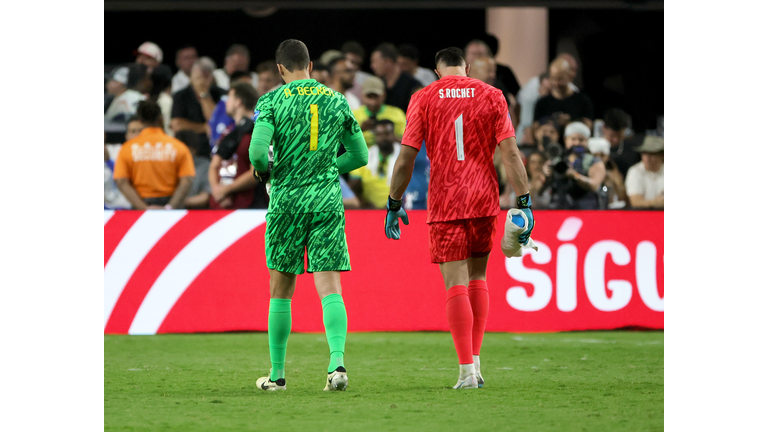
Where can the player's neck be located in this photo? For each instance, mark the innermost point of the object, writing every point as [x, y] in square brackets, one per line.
[295, 76]
[453, 71]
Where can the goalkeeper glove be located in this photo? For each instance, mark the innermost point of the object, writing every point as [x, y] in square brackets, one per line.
[395, 211]
[524, 204]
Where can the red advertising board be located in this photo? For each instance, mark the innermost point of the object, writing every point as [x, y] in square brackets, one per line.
[205, 271]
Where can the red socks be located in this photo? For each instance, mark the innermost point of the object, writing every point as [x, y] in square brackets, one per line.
[478, 297]
[460, 321]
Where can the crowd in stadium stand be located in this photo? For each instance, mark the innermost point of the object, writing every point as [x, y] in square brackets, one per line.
[195, 126]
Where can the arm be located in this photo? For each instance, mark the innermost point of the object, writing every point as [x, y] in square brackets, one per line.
[181, 191]
[513, 166]
[198, 201]
[242, 182]
[130, 193]
[639, 201]
[356, 155]
[208, 106]
[401, 174]
[258, 152]
[593, 181]
[179, 123]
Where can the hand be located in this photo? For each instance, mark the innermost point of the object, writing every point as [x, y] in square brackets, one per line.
[547, 168]
[524, 204]
[571, 173]
[395, 211]
[562, 118]
[218, 192]
[226, 203]
[368, 124]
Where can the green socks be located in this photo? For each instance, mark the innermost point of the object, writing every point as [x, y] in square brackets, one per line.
[335, 320]
[279, 330]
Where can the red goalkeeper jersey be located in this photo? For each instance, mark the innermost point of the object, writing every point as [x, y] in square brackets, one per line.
[462, 120]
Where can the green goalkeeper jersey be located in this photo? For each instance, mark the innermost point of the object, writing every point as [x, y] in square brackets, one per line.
[309, 121]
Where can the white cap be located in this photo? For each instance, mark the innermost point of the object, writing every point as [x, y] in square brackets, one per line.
[599, 145]
[577, 128]
[152, 50]
[120, 75]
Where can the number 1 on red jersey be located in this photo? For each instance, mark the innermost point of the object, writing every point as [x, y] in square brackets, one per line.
[459, 126]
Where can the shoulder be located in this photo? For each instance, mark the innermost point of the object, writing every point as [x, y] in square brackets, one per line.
[636, 169]
[266, 99]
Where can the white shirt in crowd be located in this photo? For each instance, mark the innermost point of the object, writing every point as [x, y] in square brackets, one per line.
[354, 102]
[166, 104]
[179, 81]
[642, 182]
[425, 76]
[373, 160]
[126, 104]
[222, 79]
[526, 98]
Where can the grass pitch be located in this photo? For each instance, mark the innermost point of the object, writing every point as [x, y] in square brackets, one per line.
[581, 381]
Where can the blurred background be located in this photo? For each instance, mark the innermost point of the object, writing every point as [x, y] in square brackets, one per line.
[592, 63]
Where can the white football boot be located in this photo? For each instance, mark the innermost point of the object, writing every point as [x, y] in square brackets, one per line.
[480, 380]
[337, 380]
[265, 383]
[467, 377]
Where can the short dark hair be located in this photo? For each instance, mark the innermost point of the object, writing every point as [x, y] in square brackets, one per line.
[137, 72]
[333, 61]
[450, 56]
[268, 66]
[317, 65]
[409, 51]
[353, 47]
[616, 119]
[149, 113]
[385, 122]
[161, 80]
[238, 49]
[387, 50]
[492, 42]
[247, 95]
[236, 75]
[185, 46]
[292, 54]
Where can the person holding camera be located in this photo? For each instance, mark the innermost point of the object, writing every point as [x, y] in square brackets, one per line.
[616, 193]
[577, 174]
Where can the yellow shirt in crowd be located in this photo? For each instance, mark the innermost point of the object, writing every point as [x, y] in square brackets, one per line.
[386, 112]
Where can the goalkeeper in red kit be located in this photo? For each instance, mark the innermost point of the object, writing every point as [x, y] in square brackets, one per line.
[461, 120]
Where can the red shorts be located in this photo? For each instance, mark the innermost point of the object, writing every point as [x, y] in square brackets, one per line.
[460, 239]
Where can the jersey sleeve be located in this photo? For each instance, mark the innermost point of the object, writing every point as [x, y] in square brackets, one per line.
[503, 127]
[264, 114]
[415, 127]
[185, 166]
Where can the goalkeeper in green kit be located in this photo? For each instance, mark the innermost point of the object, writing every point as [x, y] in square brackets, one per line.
[305, 122]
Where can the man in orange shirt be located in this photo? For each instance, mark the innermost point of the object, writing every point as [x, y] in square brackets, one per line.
[154, 170]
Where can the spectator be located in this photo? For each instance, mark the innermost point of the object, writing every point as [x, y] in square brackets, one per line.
[113, 199]
[355, 53]
[231, 173]
[484, 69]
[238, 58]
[400, 85]
[615, 191]
[342, 79]
[220, 120]
[371, 182]
[538, 172]
[150, 55]
[537, 87]
[503, 73]
[161, 93]
[645, 179]
[546, 133]
[319, 73]
[269, 77]
[563, 103]
[186, 57]
[124, 97]
[134, 128]
[615, 131]
[374, 109]
[154, 170]
[200, 191]
[193, 106]
[408, 60]
[476, 50]
[580, 174]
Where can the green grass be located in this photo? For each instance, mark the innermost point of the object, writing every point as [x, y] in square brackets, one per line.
[581, 381]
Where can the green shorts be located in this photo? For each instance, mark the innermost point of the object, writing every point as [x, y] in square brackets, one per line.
[322, 234]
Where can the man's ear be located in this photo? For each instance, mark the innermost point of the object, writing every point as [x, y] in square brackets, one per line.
[310, 67]
[466, 69]
[281, 70]
[437, 72]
